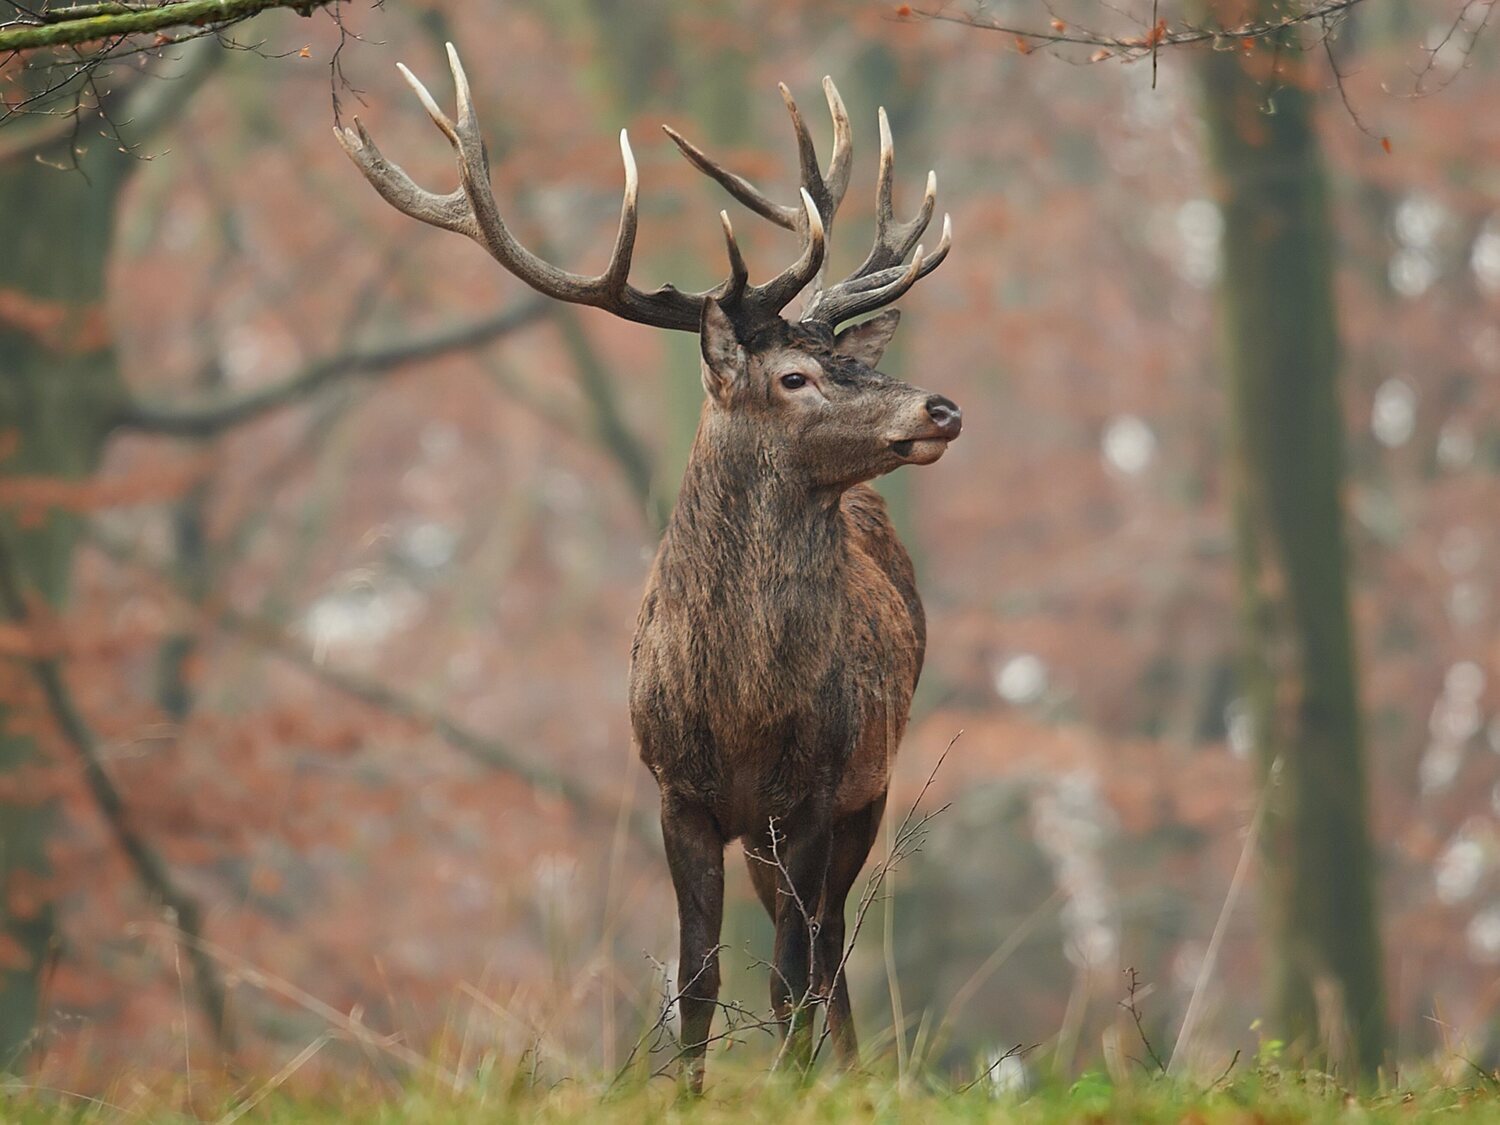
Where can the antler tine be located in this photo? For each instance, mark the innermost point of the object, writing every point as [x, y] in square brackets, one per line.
[451, 211]
[827, 190]
[881, 278]
[468, 117]
[893, 240]
[860, 295]
[617, 274]
[901, 284]
[737, 186]
[775, 294]
[945, 243]
[429, 103]
[807, 153]
[739, 274]
[886, 176]
[841, 163]
[474, 174]
[471, 210]
[913, 230]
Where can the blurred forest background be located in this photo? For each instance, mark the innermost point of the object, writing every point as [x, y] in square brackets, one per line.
[324, 538]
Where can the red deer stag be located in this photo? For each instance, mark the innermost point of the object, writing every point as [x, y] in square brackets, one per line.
[781, 635]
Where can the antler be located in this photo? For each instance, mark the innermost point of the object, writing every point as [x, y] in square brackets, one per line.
[827, 192]
[470, 209]
[882, 278]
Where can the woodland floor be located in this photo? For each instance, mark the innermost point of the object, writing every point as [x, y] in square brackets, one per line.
[739, 1096]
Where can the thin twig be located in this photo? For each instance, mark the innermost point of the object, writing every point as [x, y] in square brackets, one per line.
[1219, 1081]
[1016, 1052]
[1420, 86]
[1131, 1005]
[662, 1026]
[906, 841]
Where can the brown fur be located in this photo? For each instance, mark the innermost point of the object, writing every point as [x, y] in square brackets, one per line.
[779, 643]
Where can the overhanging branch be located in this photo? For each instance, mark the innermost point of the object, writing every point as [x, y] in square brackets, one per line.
[92, 23]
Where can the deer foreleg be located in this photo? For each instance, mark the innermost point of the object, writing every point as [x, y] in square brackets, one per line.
[695, 854]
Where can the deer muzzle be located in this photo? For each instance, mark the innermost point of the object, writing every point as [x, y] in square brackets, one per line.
[944, 422]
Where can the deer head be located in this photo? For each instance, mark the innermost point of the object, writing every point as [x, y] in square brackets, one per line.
[813, 401]
[810, 391]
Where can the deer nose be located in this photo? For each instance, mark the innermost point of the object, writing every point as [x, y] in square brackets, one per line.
[947, 415]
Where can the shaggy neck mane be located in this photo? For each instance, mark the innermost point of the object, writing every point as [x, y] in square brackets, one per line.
[747, 541]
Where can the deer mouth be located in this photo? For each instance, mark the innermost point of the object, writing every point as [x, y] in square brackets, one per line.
[922, 450]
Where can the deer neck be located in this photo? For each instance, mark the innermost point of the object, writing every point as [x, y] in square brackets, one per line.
[746, 539]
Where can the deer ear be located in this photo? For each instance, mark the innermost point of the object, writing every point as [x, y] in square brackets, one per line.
[724, 360]
[867, 340]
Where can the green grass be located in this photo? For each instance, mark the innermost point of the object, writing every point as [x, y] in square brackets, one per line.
[1268, 1095]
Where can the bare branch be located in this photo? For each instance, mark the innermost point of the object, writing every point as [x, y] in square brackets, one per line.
[612, 433]
[487, 751]
[32, 140]
[271, 637]
[208, 418]
[1465, 31]
[1150, 40]
[150, 868]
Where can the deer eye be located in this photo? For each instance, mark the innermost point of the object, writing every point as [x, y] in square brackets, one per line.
[792, 381]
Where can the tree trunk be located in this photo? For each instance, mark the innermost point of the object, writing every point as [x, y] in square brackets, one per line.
[60, 393]
[58, 387]
[1297, 659]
